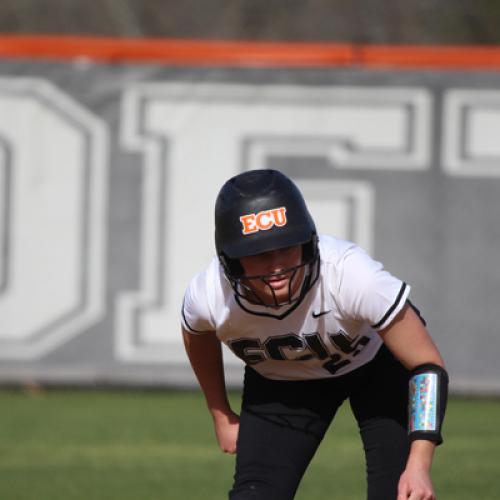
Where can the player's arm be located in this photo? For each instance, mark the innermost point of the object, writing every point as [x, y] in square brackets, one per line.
[205, 355]
[408, 339]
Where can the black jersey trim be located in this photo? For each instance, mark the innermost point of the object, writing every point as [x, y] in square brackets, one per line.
[269, 315]
[190, 328]
[417, 312]
[392, 308]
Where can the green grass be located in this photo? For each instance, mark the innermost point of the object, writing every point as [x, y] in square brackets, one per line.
[93, 445]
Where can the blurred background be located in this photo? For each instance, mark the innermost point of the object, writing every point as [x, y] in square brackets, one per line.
[384, 22]
[118, 127]
[119, 122]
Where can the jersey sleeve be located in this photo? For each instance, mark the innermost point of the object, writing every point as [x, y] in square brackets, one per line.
[367, 292]
[195, 314]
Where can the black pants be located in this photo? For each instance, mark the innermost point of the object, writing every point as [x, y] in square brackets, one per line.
[283, 422]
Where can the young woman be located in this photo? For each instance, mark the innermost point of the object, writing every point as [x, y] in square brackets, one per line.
[316, 321]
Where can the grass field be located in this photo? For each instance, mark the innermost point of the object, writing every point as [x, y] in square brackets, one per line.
[86, 445]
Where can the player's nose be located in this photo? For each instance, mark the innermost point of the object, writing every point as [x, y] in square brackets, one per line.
[276, 261]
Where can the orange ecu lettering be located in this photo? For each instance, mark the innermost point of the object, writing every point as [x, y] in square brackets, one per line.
[264, 220]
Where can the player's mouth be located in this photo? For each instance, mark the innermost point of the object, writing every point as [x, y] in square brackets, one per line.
[279, 281]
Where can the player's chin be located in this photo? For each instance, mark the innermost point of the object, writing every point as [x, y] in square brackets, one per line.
[280, 296]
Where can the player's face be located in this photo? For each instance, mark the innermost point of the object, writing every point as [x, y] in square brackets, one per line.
[277, 287]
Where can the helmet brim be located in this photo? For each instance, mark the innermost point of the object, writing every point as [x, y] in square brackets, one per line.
[275, 239]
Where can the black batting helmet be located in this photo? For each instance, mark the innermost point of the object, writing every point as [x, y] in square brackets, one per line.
[259, 211]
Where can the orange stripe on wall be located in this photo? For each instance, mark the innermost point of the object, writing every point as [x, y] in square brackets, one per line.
[245, 54]
[432, 57]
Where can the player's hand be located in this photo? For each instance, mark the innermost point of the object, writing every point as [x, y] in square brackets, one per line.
[415, 484]
[227, 426]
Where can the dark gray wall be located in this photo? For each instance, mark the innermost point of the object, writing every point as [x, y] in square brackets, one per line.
[426, 202]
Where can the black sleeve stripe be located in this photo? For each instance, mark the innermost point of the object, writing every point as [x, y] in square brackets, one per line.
[417, 312]
[187, 324]
[391, 309]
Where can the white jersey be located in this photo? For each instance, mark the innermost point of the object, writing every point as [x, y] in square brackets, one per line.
[331, 332]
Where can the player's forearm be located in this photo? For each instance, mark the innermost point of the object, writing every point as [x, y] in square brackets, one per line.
[205, 355]
[421, 455]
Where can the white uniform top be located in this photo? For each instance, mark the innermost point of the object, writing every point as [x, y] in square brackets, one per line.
[332, 332]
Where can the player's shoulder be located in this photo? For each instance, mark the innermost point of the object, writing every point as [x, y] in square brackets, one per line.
[208, 279]
[333, 250]
[343, 258]
[204, 297]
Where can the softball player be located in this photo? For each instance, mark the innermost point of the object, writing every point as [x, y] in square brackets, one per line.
[316, 321]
